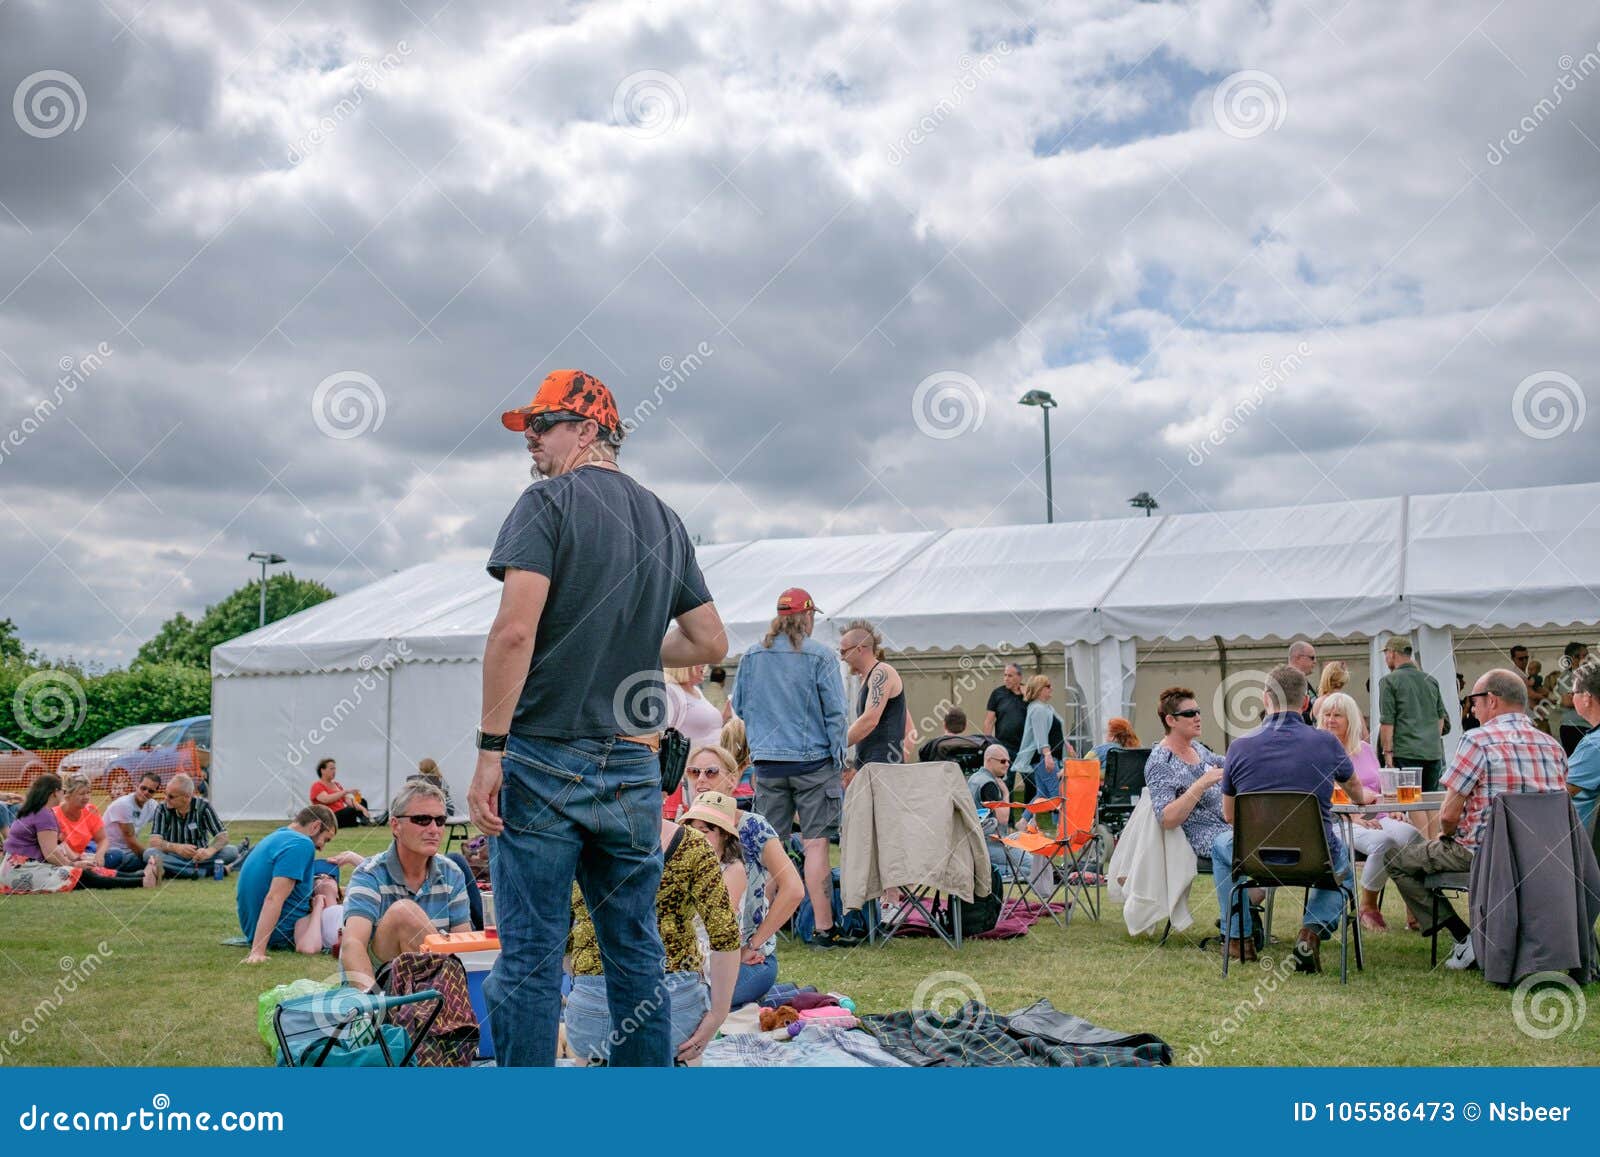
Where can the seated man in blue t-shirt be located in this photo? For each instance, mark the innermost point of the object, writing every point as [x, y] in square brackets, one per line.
[1287, 755]
[274, 892]
[405, 893]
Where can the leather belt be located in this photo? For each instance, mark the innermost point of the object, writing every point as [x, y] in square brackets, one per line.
[653, 742]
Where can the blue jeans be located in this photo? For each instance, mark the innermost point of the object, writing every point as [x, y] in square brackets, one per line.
[178, 868]
[122, 859]
[590, 1035]
[588, 809]
[755, 980]
[1323, 905]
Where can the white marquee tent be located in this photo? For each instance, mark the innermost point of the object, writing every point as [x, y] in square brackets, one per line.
[390, 672]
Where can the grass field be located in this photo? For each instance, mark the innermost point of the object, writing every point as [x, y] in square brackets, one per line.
[139, 978]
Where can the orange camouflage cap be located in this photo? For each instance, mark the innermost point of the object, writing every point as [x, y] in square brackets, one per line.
[572, 392]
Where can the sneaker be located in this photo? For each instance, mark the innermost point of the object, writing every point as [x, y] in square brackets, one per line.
[833, 938]
[1462, 956]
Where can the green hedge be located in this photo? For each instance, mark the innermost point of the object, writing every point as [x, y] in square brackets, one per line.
[35, 700]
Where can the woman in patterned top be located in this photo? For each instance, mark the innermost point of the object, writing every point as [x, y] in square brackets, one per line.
[691, 885]
[772, 888]
[1183, 775]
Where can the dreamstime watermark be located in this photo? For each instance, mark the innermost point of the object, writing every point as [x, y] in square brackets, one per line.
[1572, 71]
[650, 103]
[156, 1119]
[77, 972]
[966, 83]
[49, 103]
[74, 372]
[367, 683]
[947, 404]
[1249, 103]
[1273, 375]
[1547, 1005]
[1274, 974]
[946, 993]
[348, 404]
[1548, 404]
[49, 703]
[674, 373]
[1240, 701]
[641, 703]
[973, 674]
[368, 77]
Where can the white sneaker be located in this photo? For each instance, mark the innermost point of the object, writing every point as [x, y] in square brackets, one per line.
[1462, 956]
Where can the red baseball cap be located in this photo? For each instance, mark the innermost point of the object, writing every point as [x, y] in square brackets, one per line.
[796, 601]
[568, 391]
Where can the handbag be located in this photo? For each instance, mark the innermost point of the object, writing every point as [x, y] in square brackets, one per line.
[450, 1040]
[674, 757]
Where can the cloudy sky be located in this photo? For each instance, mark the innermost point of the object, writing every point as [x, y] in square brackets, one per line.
[269, 271]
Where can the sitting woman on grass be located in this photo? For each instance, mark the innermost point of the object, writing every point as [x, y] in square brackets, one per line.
[691, 885]
[1373, 836]
[81, 828]
[772, 888]
[37, 859]
[345, 803]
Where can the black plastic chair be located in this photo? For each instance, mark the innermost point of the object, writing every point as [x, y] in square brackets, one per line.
[1279, 841]
[1121, 781]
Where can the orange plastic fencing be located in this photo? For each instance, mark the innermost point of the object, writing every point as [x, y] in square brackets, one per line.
[111, 771]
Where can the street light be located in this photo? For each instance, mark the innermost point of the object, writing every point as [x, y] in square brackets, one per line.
[1143, 501]
[1046, 403]
[265, 560]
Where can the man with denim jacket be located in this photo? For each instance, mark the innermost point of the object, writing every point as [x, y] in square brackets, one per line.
[596, 572]
[791, 697]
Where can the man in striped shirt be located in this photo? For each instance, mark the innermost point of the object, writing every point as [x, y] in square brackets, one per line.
[405, 893]
[1507, 754]
[186, 835]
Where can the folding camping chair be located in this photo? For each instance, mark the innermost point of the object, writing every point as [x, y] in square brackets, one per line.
[343, 1028]
[1122, 781]
[1075, 811]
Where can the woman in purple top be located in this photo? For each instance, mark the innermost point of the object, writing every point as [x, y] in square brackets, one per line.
[1372, 836]
[1183, 774]
[36, 859]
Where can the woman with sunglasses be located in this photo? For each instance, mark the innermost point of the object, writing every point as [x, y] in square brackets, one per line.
[772, 887]
[1036, 758]
[1183, 775]
[691, 713]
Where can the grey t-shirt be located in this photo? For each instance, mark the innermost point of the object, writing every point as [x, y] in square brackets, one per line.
[621, 568]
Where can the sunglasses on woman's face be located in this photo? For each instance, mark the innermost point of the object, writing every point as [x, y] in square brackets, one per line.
[424, 821]
[700, 771]
[1192, 713]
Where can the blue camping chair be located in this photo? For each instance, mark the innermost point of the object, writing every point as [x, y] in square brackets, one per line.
[343, 1028]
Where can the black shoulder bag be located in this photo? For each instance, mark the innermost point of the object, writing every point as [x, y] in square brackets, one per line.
[674, 756]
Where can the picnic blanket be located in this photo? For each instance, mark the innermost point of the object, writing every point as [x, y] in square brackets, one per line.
[1016, 917]
[814, 1048]
[1039, 1036]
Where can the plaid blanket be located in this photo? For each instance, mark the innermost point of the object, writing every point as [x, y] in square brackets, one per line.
[979, 1037]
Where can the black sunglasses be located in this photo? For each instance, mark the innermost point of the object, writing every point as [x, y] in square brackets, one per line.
[424, 821]
[1192, 713]
[544, 423]
[1479, 695]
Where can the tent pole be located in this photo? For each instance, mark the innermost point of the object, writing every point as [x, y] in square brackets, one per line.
[388, 734]
[1222, 662]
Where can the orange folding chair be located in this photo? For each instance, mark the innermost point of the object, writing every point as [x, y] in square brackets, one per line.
[1030, 841]
[1077, 810]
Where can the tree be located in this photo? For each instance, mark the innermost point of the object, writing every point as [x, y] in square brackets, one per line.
[190, 643]
[11, 648]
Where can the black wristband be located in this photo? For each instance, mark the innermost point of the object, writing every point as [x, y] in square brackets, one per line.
[487, 742]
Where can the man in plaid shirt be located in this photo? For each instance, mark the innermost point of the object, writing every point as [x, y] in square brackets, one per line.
[1507, 754]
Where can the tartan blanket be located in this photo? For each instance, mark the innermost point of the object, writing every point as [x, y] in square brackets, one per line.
[1036, 1037]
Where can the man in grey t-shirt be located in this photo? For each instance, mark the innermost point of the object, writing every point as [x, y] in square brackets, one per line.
[601, 590]
[125, 817]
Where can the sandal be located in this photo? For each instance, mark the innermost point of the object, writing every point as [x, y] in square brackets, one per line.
[1372, 920]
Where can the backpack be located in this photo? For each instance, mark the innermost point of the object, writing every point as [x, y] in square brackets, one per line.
[452, 1041]
[853, 923]
[981, 915]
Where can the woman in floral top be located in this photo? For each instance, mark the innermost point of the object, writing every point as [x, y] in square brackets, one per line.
[691, 885]
[1184, 776]
[771, 889]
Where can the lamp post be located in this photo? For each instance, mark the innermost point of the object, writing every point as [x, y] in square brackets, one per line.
[265, 560]
[1045, 402]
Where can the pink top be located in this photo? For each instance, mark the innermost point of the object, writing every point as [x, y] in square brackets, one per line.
[690, 713]
[1366, 761]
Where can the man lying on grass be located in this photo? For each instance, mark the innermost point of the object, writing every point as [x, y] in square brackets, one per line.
[405, 893]
[274, 899]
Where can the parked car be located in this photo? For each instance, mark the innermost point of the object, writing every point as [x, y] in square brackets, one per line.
[92, 760]
[18, 766]
[162, 753]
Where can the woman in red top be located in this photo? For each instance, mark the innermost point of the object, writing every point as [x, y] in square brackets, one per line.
[345, 804]
[80, 825]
